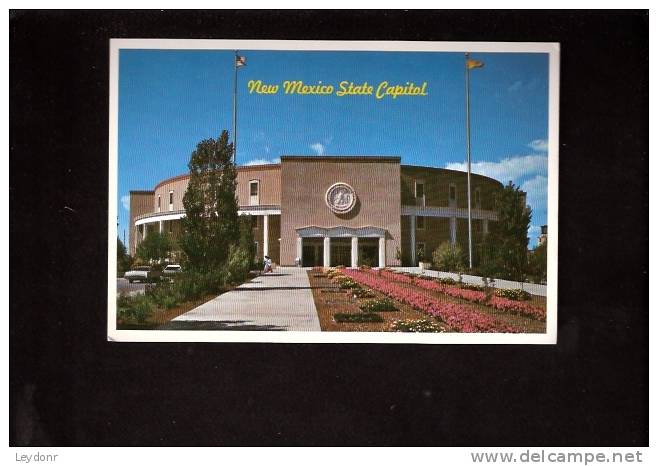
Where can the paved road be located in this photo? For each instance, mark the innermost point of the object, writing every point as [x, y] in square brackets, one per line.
[278, 301]
[130, 289]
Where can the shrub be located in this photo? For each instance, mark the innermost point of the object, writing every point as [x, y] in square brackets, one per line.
[134, 310]
[163, 295]
[448, 257]
[378, 305]
[416, 326]
[364, 317]
[346, 283]
[446, 281]
[238, 265]
[362, 293]
[516, 295]
[472, 287]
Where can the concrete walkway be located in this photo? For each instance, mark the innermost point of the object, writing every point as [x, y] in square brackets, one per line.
[532, 288]
[278, 301]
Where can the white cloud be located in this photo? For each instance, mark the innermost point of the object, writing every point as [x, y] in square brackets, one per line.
[512, 168]
[261, 162]
[125, 201]
[533, 235]
[537, 189]
[539, 145]
[318, 148]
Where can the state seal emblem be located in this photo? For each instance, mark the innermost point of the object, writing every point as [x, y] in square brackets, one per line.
[340, 198]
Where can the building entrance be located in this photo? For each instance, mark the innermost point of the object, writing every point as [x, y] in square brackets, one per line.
[312, 250]
[369, 252]
[341, 251]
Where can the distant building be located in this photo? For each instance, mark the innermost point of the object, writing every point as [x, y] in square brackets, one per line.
[337, 210]
[544, 234]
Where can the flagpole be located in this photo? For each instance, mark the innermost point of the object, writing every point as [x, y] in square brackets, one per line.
[235, 108]
[468, 158]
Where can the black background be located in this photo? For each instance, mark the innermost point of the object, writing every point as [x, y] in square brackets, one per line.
[69, 386]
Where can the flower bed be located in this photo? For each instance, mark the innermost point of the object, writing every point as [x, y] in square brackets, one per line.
[479, 297]
[516, 295]
[363, 317]
[458, 317]
[378, 305]
[416, 326]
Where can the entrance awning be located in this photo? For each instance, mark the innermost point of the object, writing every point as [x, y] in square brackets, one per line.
[341, 232]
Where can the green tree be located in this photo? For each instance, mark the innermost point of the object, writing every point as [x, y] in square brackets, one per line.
[247, 241]
[504, 250]
[537, 263]
[210, 225]
[155, 247]
[124, 261]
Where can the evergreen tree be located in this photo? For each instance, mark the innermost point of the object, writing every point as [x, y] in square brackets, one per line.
[538, 263]
[210, 225]
[124, 261]
[247, 241]
[505, 247]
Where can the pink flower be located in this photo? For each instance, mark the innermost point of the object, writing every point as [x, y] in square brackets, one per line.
[479, 297]
[458, 317]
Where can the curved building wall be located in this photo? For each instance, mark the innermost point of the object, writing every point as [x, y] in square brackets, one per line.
[268, 177]
[452, 224]
[437, 186]
[290, 198]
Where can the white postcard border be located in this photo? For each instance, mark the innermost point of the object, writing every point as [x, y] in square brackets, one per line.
[227, 336]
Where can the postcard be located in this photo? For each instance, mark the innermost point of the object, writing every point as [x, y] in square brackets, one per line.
[333, 191]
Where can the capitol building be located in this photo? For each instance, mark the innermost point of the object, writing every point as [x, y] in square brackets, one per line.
[337, 210]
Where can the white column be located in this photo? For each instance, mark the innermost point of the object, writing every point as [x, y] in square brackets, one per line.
[412, 236]
[145, 227]
[160, 226]
[453, 230]
[485, 226]
[299, 250]
[266, 235]
[355, 251]
[382, 252]
[327, 252]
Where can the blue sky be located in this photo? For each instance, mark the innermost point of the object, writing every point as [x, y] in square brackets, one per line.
[169, 100]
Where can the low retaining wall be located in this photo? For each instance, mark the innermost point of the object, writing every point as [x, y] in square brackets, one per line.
[532, 288]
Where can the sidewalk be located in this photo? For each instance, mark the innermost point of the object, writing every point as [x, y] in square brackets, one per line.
[532, 288]
[280, 301]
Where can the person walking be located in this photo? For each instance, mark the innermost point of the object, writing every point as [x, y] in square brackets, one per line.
[268, 264]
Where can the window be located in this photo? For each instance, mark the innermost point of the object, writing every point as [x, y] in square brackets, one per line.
[420, 223]
[420, 189]
[477, 197]
[452, 195]
[171, 200]
[159, 202]
[171, 227]
[253, 192]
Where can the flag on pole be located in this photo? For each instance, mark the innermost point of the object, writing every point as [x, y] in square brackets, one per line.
[240, 61]
[470, 64]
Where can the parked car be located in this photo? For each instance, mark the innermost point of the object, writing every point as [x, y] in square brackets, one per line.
[143, 273]
[171, 271]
